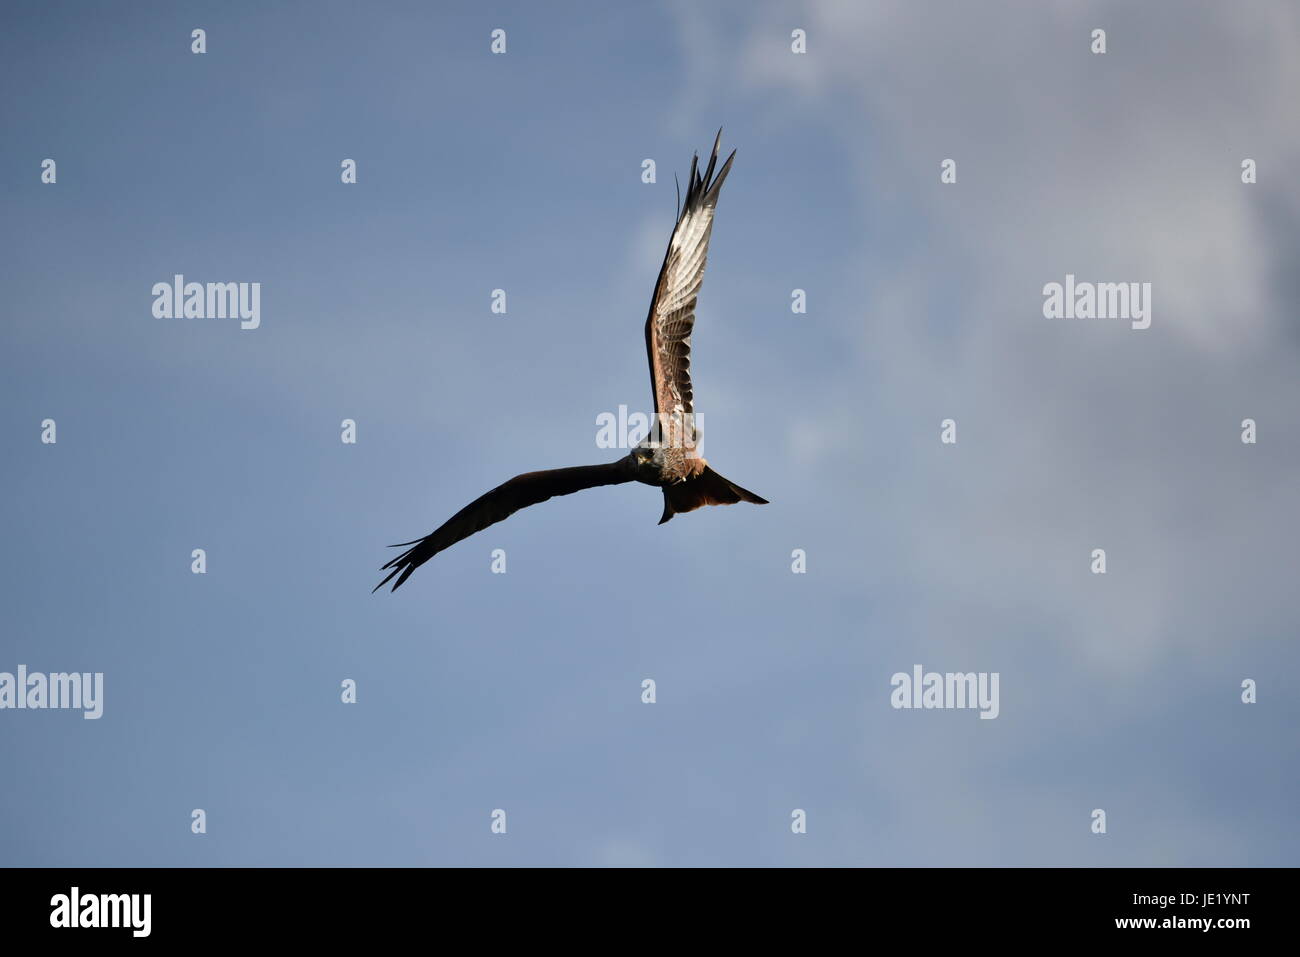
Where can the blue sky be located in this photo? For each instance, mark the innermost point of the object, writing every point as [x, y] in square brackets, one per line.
[523, 691]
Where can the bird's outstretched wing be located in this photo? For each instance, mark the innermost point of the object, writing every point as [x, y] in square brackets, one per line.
[499, 504]
[672, 310]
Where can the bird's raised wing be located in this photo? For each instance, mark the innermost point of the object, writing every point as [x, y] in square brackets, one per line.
[672, 311]
[498, 505]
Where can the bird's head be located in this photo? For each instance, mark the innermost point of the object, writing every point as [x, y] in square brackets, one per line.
[647, 461]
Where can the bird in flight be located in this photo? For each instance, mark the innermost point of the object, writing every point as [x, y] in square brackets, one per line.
[667, 457]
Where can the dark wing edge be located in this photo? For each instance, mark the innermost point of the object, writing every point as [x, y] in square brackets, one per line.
[497, 505]
[672, 308]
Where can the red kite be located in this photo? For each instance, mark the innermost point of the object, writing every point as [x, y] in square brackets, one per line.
[667, 457]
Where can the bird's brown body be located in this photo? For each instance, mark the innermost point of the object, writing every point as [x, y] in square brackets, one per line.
[668, 458]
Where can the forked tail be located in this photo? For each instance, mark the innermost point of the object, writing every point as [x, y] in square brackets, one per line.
[707, 488]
